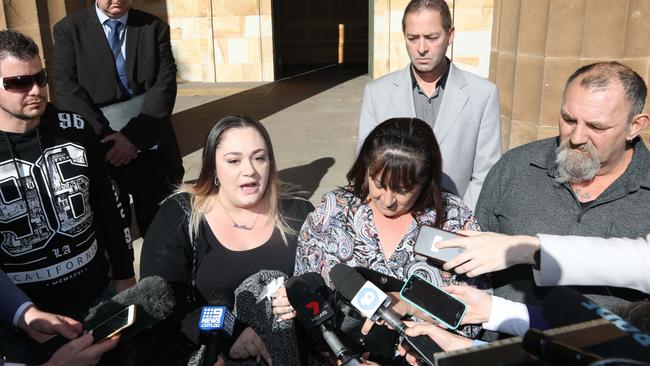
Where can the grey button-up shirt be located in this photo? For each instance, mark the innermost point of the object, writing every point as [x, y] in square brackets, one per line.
[427, 107]
[520, 196]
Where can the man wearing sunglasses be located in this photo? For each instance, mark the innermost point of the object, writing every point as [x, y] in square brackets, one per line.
[59, 213]
[113, 56]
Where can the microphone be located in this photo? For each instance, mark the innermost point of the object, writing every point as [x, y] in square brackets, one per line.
[217, 324]
[565, 306]
[373, 303]
[385, 282]
[154, 301]
[256, 311]
[314, 312]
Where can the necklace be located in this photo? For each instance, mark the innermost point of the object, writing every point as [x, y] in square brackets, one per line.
[235, 224]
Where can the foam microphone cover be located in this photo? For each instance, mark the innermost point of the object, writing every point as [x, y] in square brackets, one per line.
[222, 296]
[301, 288]
[346, 280]
[384, 282]
[279, 337]
[154, 302]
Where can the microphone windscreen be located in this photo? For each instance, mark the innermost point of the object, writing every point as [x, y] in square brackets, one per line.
[565, 306]
[384, 282]
[278, 336]
[346, 280]
[222, 296]
[154, 302]
[298, 291]
[314, 280]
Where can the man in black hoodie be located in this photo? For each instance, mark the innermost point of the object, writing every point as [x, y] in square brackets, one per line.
[60, 219]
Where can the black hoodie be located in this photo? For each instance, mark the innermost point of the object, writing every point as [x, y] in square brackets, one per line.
[60, 214]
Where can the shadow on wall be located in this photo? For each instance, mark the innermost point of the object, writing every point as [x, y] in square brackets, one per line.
[307, 177]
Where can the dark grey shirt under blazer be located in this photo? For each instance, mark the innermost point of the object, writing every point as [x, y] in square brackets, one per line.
[427, 107]
[519, 196]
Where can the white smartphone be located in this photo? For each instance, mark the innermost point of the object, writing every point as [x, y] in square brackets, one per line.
[114, 324]
[425, 244]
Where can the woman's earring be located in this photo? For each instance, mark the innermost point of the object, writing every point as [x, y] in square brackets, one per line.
[217, 183]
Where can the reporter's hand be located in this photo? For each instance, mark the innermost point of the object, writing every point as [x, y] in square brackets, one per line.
[446, 340]
[220, 362]
[41, 326]
[479, 303]
[81, 352]
[281, 306]
[488, 252]
[123, 150]
[249, 344]
[121, 285]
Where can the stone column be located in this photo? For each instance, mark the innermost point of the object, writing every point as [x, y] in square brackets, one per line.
[537, 44]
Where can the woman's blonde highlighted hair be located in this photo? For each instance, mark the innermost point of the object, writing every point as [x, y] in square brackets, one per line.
[203, 191]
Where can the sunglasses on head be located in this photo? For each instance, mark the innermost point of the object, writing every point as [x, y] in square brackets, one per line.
[23, 83]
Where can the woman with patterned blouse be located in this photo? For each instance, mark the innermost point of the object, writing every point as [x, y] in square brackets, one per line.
[394, 188]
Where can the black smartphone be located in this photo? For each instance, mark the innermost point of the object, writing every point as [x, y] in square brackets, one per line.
[114, 324]
[442, 306]
[425, 244]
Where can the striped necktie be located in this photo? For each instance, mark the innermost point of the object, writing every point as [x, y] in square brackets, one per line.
[115, 42]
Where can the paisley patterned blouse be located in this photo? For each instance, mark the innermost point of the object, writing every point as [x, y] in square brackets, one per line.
[342, 230]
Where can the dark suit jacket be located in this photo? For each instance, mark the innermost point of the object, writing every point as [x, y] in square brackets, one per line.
[85, 79]
[12, 299]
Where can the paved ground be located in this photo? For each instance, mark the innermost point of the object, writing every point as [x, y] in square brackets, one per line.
[312, 121]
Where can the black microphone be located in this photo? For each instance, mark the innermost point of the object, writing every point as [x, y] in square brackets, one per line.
[305, 294]
[374, 304]
[385, 282]
[217, 324]
[564, 306]
[154, 301]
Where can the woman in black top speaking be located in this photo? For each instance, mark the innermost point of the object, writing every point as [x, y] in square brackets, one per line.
[237, 219]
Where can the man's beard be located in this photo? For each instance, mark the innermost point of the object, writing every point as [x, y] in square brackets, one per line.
[576, 165]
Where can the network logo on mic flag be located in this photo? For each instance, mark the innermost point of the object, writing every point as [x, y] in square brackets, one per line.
[216, 318]
[369, 299]
[316, 311]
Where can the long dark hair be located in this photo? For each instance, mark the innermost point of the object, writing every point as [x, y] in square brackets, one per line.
[205, 189]
[401, 153]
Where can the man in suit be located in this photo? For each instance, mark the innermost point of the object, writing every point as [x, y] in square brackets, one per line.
[111, 53]
[462, 108]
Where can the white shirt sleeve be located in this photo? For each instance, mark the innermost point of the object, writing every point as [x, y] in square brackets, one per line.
[508, 317]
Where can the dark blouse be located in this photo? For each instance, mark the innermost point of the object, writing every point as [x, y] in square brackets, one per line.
[167, 251]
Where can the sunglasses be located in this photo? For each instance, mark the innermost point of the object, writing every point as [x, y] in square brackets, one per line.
[23, 83]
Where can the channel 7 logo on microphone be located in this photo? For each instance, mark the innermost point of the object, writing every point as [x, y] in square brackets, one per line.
[369, 299]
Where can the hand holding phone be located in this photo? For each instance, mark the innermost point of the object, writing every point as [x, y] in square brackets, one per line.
[425, 244]
[440, 305]
[114, 325]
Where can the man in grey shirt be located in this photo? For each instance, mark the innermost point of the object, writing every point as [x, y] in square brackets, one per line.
[591, 180]
[462, 108]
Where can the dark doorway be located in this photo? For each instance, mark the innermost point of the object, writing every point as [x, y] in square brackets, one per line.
[310, 34]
